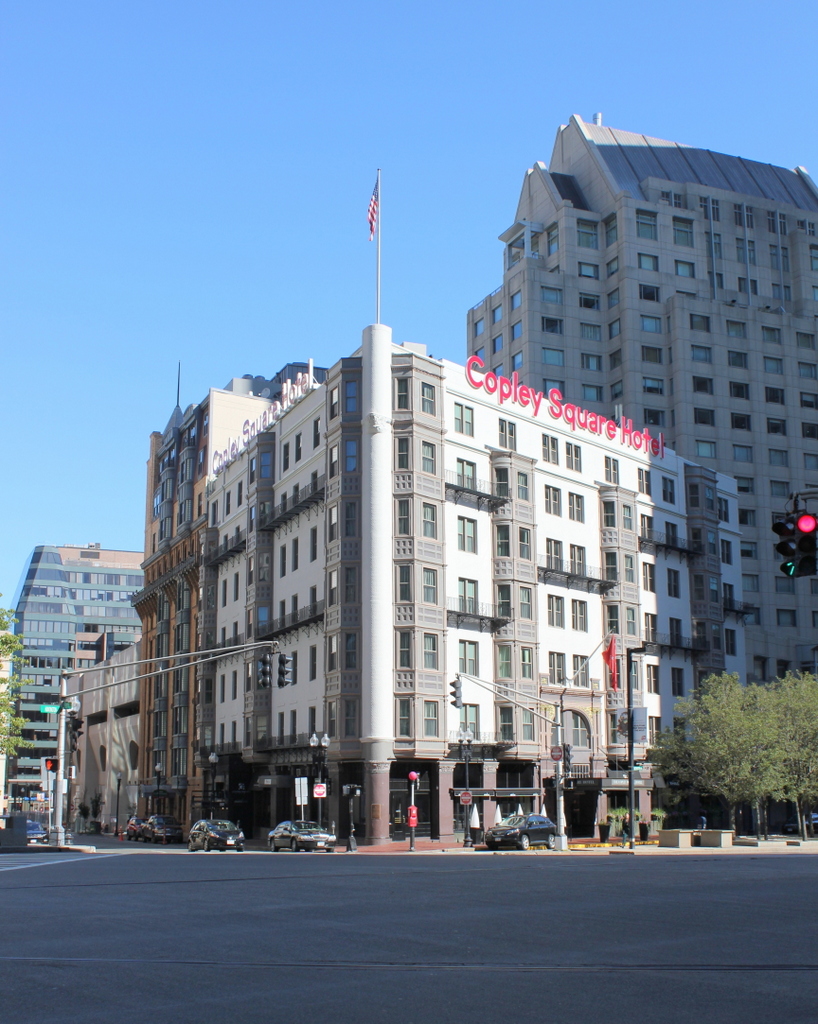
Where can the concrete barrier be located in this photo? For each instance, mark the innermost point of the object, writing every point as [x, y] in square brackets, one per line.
[716, 837]
[677, 838]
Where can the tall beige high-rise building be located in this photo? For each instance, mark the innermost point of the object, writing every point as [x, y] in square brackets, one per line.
[681, 286]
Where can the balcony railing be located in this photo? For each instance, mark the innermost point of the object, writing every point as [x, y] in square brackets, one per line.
[305, 616]
[172, 574]
[575, 574]
[674, 641]
[651, 539]
[489, 617]
[293, 505]
[733, 607]
[231, 545]
[237, 640]
[492, 495]
[301, 739]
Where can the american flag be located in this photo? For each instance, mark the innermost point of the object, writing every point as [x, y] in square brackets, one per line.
[372, 213]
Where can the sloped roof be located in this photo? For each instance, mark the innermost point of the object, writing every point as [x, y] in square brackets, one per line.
[631, 158]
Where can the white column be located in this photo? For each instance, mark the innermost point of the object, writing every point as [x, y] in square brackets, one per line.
[376, 526]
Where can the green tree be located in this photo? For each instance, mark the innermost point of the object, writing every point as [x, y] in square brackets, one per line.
[11, 724]
[725, 743]
[795, 702]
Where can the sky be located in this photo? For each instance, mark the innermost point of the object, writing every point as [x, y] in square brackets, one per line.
[189, 182]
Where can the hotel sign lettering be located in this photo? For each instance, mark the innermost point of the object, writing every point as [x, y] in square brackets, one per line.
[510, 389]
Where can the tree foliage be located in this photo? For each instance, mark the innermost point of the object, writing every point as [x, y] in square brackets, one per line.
[11, 724]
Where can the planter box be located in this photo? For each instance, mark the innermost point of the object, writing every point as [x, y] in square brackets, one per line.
[716, 837]
[677, 838]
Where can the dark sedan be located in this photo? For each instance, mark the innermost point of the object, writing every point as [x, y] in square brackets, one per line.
[36, 832]
[790, 827]
[522, 831]
[215, 834]
[162, 828]
[301, 835]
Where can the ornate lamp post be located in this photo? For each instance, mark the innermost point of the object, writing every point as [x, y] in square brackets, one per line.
[319, 760]
[158, 769]
[465, 738]
[118, 786]
[213, 758]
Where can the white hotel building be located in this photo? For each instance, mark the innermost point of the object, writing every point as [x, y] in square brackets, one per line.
[410, 519]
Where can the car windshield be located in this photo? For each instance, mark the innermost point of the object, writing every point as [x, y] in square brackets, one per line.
[305, 826]
[513, 821]
[166, 820]
[224, 826]
[34, 826]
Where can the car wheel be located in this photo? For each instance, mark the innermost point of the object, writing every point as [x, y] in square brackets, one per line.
[190, 847]
[491, 846]
[525, 842]
[271, 845]
[208, 847]
[294, 846]
[551, 842]
[239, 849]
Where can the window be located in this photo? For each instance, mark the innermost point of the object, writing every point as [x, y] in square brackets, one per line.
[738, 359]
[350, 650]
[576, 507]
[611, 233]
[727, 552]
[516, 300]
[588, 300]
[351, 456]
[553, 500]
[644, 481]
[430, 650]
[550, 449]
[517, 330]
[646, 224]
[668, 490]
[706, 449]
[591, 362]
[809, 401]
[682, 231]
[742, 453]
[430, 724]
[648, 293]
[703, 385]
[402, 392]
[526, 608]
[588, 270]
[653, 385]
[809, 430]
[579, 616]
[611, 470]
[740, 421]
[609, 515]
[592, 392]
[428, 457]
[333, 460]
[647, 262]
[403, 517]
[466, 534]
[551, 325]
[553, 553]
[502, 548]
[504, 662]
[779, 488]
[614, 329]
[429, 520]
[611, 566]
[508, 435]
[701, 354]
[553, 295]
[778, 457]
[464, 419]
[649, 577]
[677, 682]
[627, 517]
[479, 327]
[651, 324]
[650, 623]
[402, 461]
[427, 398]
[809, 370]
[466, 473]
[776, 426]
[468, 660]
[430, 586]
[524, 543]
[785, 617]
[590, 332]
[673, 583]
[587, 234]
[774, 396]
[405, 654]
[556, 611]
[651, 354]
[704, 417]
[616, 390]
[685, 269]
[501, 482]
[773, 365]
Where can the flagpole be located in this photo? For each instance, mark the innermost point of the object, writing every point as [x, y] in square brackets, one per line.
[378, 257]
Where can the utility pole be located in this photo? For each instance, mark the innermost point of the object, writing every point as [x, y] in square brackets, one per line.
[59, 829]
[631, 765]
[561, 839]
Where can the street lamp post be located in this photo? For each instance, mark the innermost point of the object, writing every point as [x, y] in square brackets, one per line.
[631, 765]
[118, 786]
[213, 758]
[158, 769]
[465, 736]
[319, 760]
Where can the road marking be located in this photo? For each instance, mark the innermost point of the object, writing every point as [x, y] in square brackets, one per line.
[63, 860]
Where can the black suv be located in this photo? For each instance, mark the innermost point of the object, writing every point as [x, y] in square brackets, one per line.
[522, 831]
[161, 828]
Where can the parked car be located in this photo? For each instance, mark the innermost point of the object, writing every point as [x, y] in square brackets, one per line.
[790, 827]
[522, 831]
[36, 833]
[133, 830]
[161, 828]
[301, 835]
[215, 834]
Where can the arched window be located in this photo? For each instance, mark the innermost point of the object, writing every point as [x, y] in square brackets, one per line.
[577, 731]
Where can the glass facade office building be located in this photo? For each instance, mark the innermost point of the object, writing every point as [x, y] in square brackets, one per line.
[73, 610]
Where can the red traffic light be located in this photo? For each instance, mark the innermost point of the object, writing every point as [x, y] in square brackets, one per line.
[807, 523]
[51, 764]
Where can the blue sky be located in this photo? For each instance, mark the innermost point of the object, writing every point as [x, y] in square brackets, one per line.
[189, 181]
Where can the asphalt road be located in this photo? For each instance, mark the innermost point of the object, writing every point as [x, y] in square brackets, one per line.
[170, 936]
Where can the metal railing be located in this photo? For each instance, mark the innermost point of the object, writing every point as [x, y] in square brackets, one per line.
[293, 620]
[229, 546]
[293, 504]
[667, 540]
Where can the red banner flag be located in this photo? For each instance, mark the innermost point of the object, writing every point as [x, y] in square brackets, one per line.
[610, 659]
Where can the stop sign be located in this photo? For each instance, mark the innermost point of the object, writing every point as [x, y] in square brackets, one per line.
[465, 798]
[556, 753]
[319, 790]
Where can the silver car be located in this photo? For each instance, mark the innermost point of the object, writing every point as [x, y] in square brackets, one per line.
[301, 835]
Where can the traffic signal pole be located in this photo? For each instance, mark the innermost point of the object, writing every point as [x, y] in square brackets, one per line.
[59, 795]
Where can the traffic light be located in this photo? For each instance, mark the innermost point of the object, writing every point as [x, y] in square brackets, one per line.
[798, 543]
[284, 670]
[456, 688]
[75, 725]
[52, 764]
[566, 756]
[265, 670]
